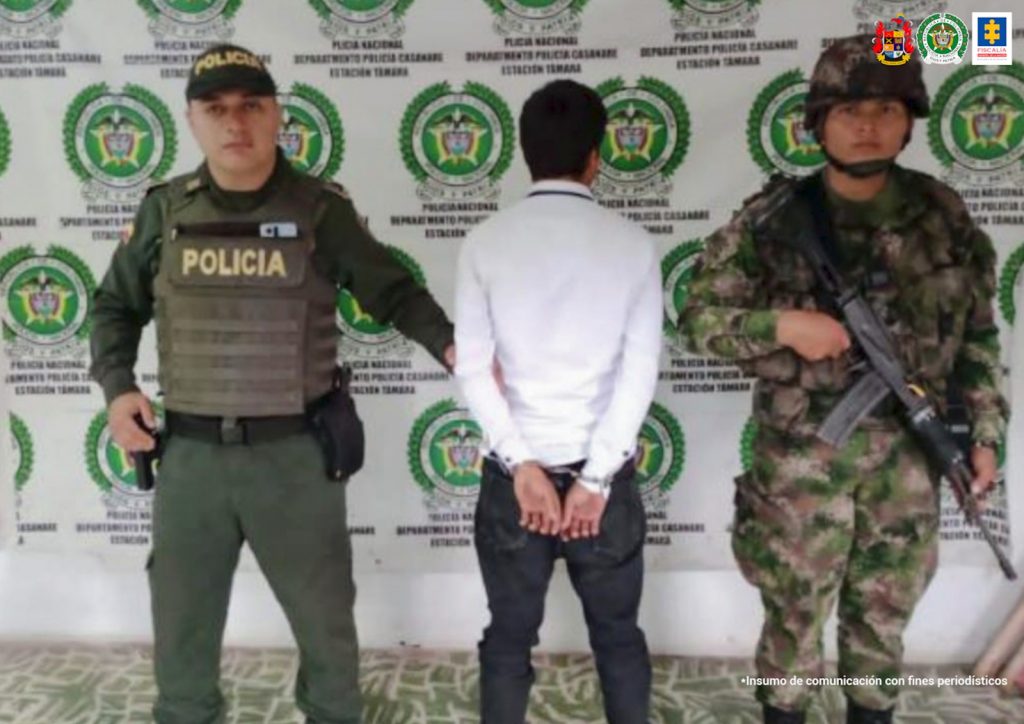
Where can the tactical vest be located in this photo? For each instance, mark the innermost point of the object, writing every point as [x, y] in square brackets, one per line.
[910, 268]
[245, 324]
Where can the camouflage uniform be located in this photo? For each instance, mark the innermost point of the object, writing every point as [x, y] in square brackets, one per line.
[813, 524]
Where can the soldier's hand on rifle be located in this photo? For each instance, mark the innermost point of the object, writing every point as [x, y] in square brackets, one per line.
[985, 466]
[582, 513]
[125, 431]
[812, 335]
[540, 509]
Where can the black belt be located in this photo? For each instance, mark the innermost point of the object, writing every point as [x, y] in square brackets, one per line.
[234, 430]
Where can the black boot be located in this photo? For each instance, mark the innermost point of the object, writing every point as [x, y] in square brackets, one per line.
[773, 715]
[857, 714]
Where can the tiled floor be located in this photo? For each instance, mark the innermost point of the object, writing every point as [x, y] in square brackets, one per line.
[92, 685]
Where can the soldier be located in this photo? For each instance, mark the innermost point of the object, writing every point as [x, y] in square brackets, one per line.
[814, 523]
[240, 262]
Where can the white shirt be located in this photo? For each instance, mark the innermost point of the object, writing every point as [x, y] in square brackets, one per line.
[566, 295]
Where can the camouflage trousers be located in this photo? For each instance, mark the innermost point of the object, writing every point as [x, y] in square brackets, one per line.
[814, 525]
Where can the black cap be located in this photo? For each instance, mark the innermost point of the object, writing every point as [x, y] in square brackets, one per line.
[228, 67]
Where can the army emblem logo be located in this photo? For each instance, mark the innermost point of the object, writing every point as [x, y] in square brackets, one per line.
[871, 9]
[676, 273]
[311, 134]
[660, 456]
[118, 143]
[361, 18]
[191, 18]
[23, 456]
[1008, 281]
[112, 469]
[27, 18]
[361, 335]
[976, 128]
[646, 139]
[457, 145]
[776, 136]
[895, 46]
[46, 302]
[5, 143]
[445, 456]
[942, 38]
[537, 17]
[713, 13]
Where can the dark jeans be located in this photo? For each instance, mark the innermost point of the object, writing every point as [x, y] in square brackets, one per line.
[606, 572]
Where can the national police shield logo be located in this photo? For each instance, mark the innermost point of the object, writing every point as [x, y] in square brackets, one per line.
[23, 455]
[28, 18]
[311, 134]
[445, 456]
[537, 17]
[776, 137]
[361, 18]
[112, 469]
[713, 13]
[660, 456]
[361, 335]
[872, 10]
[5, 143]
[676, 273]
[646, 138]
[46, 302]
[943, 38]
[191, 18]
[976, 127]
[118, 143]
[457, 144]
[1009, 280]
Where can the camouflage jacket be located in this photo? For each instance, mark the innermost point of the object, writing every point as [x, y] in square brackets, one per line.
[922, 263]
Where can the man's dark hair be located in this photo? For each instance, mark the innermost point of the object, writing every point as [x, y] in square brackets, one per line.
[560, 125]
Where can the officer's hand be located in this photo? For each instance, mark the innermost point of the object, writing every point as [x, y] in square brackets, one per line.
[540, 510]
[125, 431]
[582, 513]
[812, 335]
[449, 357]
[983, 461]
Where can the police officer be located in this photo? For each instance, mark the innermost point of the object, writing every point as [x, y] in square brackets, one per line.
[240, 263]
[813, 523]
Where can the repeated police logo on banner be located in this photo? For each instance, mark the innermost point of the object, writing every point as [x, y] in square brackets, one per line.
[537, 17]
[191, 18]
[874, 9]
[747, 437]
[118, 143]
[311, 134]
[111, 467]
[1009, 278]
[445, 456]
[676, 272]
[22, 452]
[457, 144]
[361, 18]
[27, 18]
[943, 38]
[646, 140]
[362, 337]
[776, 136]
[5, 143]
[713, 13]
[976, 127]
[46, 301]
[660, 457]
